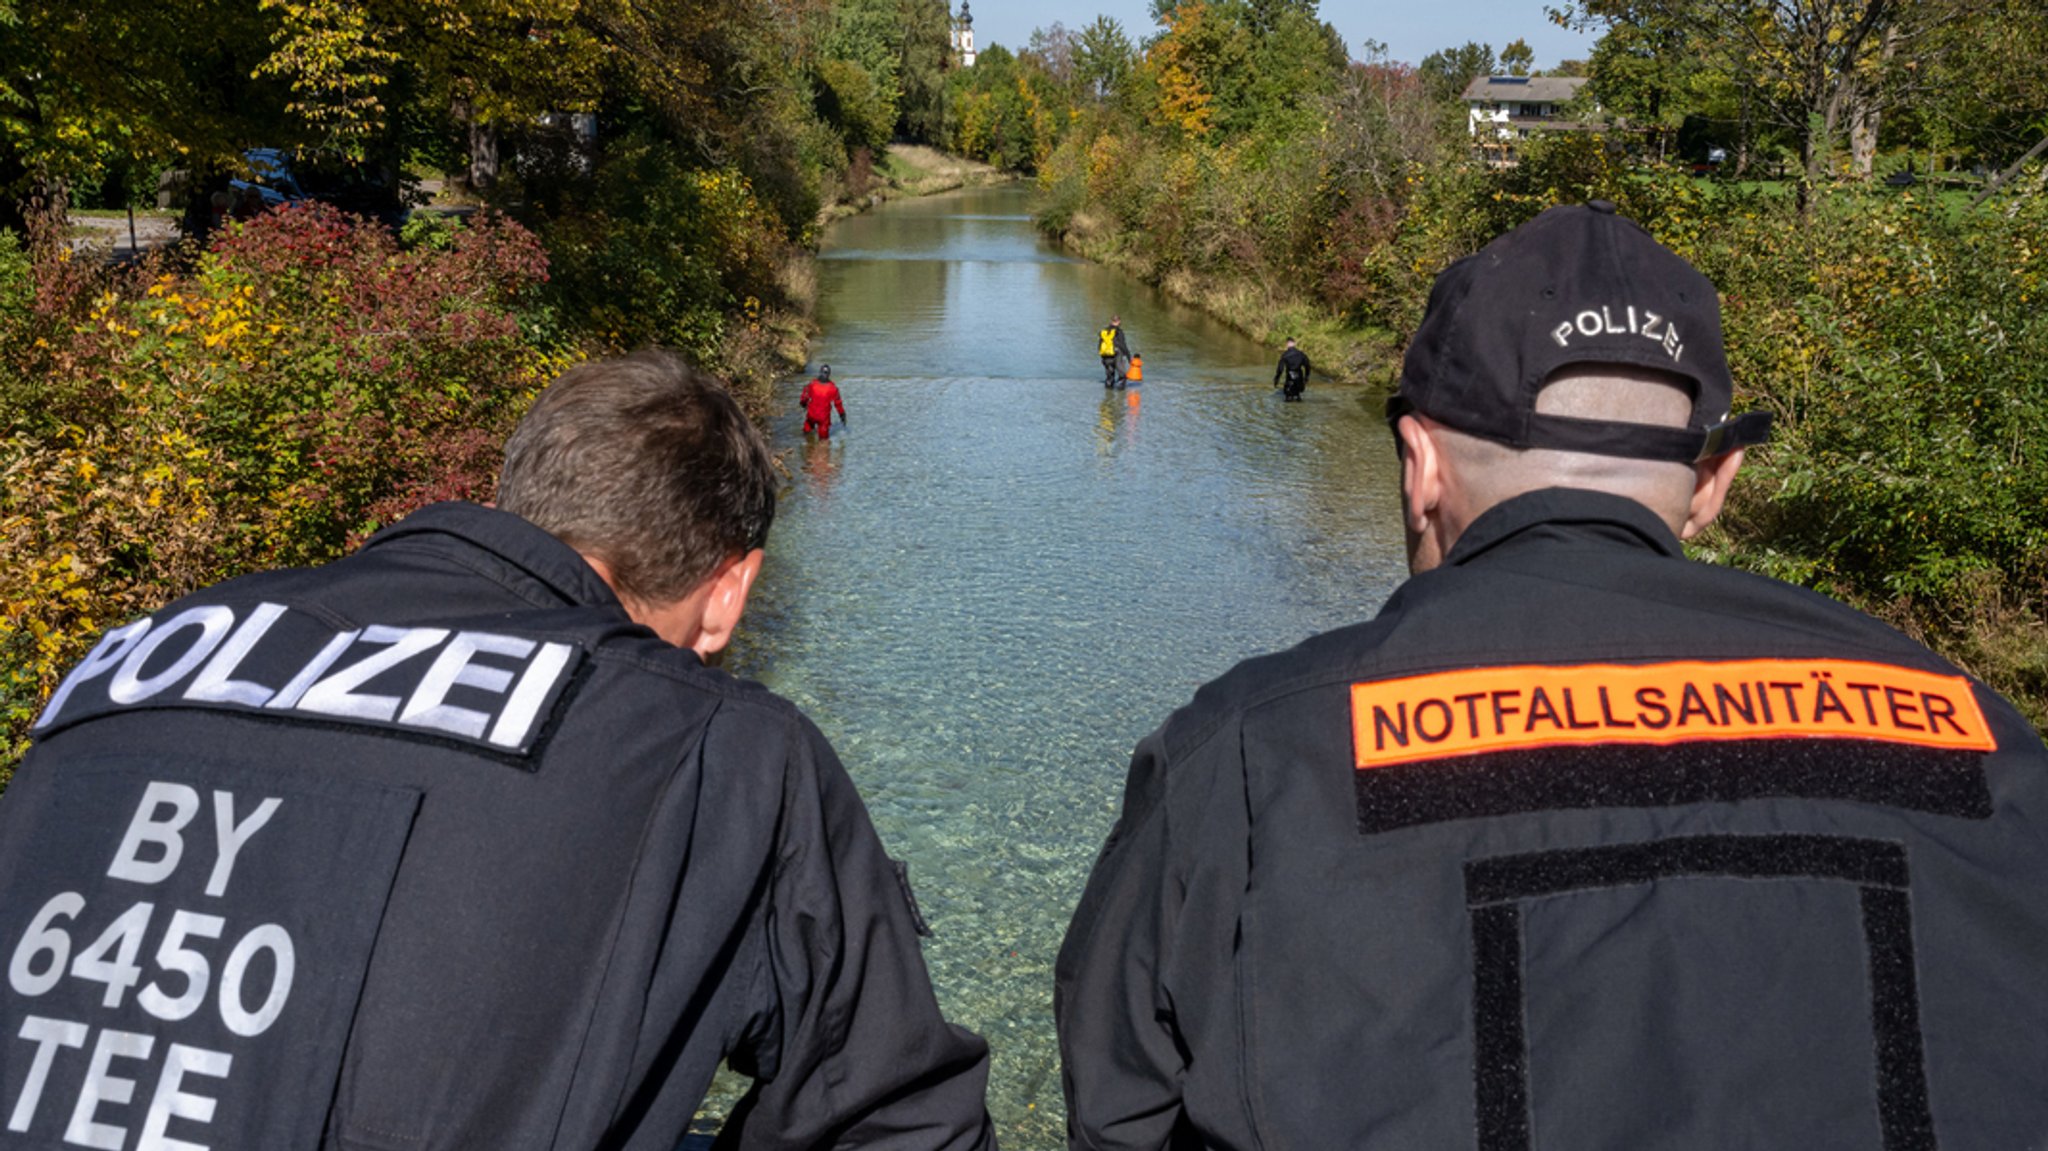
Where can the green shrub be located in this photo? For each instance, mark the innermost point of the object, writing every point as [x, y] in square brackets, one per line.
[850, 101]
[660, 253]
[306, 383]
[1902, 353]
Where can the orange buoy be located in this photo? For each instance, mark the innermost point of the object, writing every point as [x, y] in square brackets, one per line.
[1137, 371]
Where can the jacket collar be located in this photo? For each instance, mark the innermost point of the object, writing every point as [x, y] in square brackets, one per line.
[530, 562]
[1564, 513]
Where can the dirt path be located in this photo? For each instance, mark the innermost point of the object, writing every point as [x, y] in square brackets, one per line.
[110, 234]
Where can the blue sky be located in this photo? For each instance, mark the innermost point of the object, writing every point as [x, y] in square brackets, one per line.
[1411, 29]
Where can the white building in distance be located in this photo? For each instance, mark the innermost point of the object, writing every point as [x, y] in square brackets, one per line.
[963, 36]
[1514, 107]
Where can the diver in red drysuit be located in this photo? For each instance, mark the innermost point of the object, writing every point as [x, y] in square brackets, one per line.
[819, 397]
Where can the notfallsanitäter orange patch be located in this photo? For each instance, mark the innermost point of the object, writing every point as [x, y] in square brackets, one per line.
[1476, 710]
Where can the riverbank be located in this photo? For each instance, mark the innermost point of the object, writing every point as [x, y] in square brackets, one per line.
[1340, 352]
[775, 342]
[913, 170]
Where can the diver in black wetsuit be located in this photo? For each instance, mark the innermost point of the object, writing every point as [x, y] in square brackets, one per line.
[1291, 373]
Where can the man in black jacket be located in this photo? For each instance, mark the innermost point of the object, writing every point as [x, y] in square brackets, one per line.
[458, 843]
[1579, 843]
[1290, 375]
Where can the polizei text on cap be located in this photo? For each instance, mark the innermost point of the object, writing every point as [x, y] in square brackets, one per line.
[1629, 321]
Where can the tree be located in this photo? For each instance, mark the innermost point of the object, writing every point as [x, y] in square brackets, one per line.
[1104, 59]
[869, 33]
[1195, 67]
[927, 54]
[989, 110]
[1382, 127]
[1446, 74]
[1055, 48]
[136, 78]
[851, 102]
[1296, 61]
[390, 80]
[1809, 58]
[1974, 84]
[1642, 74]
[1517, 57]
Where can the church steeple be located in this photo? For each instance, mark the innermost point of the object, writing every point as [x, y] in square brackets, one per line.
[963, 36]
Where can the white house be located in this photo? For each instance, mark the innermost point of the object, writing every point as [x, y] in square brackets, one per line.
[1503, 109]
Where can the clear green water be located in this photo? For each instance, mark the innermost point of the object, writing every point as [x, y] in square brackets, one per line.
[1001, 575]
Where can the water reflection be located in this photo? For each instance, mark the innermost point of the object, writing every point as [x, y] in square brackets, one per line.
[821, 469]
[1001, 576]
[1116, 423]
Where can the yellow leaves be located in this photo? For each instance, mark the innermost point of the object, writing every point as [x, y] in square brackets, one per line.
[335, 62]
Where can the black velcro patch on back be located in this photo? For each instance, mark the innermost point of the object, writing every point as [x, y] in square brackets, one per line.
[1507, 878]
[1496, 887]
[1516, 782]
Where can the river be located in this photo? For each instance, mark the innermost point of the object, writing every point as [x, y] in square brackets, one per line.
[1001, 575]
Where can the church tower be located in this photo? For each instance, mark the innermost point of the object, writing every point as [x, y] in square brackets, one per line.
[963, 36]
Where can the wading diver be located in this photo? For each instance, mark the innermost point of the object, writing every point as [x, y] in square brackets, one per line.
[1291, 373]
[818, 399]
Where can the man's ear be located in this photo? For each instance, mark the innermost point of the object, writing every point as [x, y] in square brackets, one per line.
[1422, 486]
[1711, 479]
[725, 602]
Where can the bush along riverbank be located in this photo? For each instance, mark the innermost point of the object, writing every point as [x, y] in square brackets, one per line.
[306, 380]
[1898, 338]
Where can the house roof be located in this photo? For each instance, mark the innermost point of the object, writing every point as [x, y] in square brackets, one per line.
[1537, 89]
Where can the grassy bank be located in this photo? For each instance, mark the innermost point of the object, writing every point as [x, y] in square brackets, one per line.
[908, 170]
[1267, 312]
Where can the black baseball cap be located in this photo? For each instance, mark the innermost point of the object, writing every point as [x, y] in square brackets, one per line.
[1575, 285]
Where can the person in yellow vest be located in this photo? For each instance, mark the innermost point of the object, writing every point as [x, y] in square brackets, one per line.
[1115, 352]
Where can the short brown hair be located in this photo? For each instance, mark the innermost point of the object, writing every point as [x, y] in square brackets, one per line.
[647, 463]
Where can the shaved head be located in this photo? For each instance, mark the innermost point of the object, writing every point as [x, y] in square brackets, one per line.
[1491, 473]
[1465, 475]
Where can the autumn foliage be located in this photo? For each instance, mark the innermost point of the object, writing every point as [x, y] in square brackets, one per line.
[309, 380]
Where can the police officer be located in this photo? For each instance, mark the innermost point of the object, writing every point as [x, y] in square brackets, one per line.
[458, 843]
[1579, 843]
[1291, 373]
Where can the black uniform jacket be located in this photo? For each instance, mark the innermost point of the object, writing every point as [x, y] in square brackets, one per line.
[1579, 844]
[433, 848]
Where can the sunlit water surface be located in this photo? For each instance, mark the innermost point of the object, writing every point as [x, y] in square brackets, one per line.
[1001, 575]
